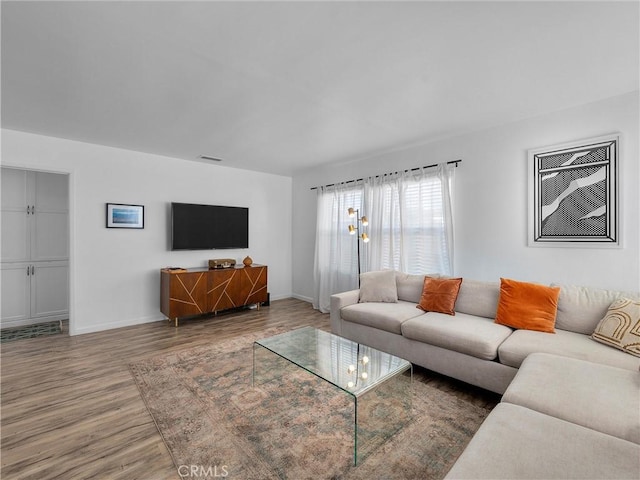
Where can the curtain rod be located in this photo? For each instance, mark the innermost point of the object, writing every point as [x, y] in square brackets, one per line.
[452, 162]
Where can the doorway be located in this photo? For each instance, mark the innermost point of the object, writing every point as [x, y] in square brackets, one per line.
[34, 259]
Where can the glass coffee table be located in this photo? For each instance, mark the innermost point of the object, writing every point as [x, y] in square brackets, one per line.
[378, 383]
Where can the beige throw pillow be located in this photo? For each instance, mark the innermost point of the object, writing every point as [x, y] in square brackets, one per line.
[378, 286]
[620, 327]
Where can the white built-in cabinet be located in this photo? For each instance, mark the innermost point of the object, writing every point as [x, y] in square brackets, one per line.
[35, 247]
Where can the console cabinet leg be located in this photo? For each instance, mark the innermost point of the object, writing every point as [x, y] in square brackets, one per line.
[176, 322]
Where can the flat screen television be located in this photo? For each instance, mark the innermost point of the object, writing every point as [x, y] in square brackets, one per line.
[207, 227]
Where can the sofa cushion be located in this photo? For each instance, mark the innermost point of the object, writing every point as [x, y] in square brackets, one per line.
[468, 334]
[517, 442]
[522, 343]
[384, 316]
[620, 327]
[409, 286]
[528, 306]
[379, 286]
[439, 295]
[478, 298]
[595, 396]
[581, 308]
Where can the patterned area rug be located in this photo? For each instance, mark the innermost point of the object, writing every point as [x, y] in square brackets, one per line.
[30, 331]
[212, 420]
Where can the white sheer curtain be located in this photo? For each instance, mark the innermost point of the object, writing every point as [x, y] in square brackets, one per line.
[410, 221]
[410, 227]
[336, 260]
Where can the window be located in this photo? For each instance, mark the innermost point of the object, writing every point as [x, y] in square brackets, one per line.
[410, 227]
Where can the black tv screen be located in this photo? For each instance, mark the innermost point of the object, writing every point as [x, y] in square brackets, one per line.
[206, 227]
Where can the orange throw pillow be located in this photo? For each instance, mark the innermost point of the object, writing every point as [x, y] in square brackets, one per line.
[439, 295]
[527, 306]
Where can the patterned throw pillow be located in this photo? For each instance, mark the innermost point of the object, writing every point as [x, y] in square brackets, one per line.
[620, 327]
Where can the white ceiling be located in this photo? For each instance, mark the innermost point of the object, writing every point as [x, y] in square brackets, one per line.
[283, 86]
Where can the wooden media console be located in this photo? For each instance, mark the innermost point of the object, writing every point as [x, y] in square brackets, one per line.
[198, 291]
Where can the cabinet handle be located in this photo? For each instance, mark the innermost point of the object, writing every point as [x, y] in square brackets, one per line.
[28, 209]
[33, 270]
[28, 268]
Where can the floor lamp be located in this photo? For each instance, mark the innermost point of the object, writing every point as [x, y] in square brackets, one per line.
[355, 230]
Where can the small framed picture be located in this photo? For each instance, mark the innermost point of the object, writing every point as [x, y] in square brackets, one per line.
[125, 216]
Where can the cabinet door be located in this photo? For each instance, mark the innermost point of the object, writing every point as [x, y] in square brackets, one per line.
[50, 222]
[223, 290]
[50, 290]
[15, 220]
[187, 294]
[35, 216]
[254, 285]
[16, 296]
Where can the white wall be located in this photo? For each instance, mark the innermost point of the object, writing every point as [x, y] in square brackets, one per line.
[491, 199]
[115, 273]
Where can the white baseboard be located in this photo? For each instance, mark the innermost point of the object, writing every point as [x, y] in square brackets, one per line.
[111, 325]
[303, 298]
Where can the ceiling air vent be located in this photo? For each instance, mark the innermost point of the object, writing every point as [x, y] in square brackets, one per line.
[207, 157]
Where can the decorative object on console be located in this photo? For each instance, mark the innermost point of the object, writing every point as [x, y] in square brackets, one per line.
[121, 215]
[620, 327]
[175, 269]
[222, 263]
[247, 261]
[439, 295]
[573, 198]
[355, 229]
[527, 306]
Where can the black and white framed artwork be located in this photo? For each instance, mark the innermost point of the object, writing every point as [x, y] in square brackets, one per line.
[573, 194]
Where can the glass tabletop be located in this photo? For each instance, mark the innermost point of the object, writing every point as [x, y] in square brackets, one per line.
[348, 365]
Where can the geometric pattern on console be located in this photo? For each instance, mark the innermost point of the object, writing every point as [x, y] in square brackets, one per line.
[190, 293]
[219, 291]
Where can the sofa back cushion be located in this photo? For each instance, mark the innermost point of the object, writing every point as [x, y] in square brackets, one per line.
[580, 309]
[478, 297]
[409, 286]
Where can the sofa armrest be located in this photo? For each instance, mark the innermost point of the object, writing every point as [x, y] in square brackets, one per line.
[339, 301]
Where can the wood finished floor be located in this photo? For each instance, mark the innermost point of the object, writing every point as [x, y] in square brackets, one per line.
[71, 410]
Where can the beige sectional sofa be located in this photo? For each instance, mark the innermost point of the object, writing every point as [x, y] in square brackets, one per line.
[470, 346]
[570, 406]
[560, 418]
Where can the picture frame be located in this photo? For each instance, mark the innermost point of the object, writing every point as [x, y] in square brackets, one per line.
[573, 194]
[121, 215]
